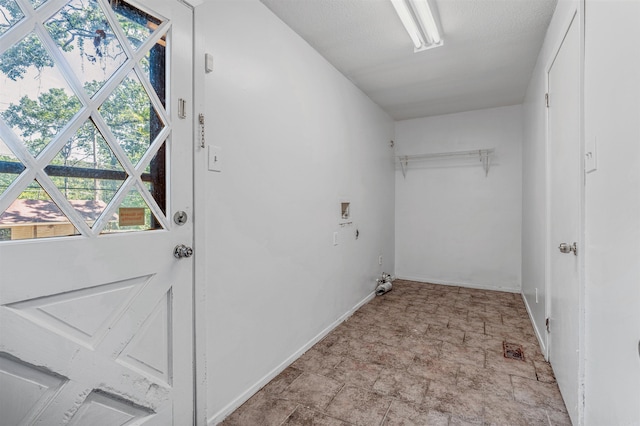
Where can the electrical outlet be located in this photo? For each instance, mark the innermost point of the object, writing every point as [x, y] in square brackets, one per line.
[335, 238]
[536, 295]
[380, 260]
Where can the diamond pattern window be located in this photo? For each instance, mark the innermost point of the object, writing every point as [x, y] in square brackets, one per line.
[83, 124]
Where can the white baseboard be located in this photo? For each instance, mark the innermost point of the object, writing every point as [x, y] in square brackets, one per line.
[459, 284]
[233, 405]
[543, 346]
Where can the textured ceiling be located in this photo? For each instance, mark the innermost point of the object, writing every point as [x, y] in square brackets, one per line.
[490, 49]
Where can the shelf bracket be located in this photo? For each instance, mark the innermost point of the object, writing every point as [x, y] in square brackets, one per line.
[486, 161]
[404, 163]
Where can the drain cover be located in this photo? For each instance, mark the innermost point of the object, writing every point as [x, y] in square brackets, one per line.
[513, 351]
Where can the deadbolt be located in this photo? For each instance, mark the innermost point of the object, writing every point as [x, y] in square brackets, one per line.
[182, 251]
[568, 248]
[180, 217]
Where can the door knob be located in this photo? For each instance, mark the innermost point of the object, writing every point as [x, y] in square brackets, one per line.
[182, 251]
[568, 248]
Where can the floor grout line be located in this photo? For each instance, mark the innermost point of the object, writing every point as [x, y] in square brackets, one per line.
[290, 414]
[334, 396]
[386, 413]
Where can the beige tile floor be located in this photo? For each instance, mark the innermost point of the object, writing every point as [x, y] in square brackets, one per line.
[423, 354]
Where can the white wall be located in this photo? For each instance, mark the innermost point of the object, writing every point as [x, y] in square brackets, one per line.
[453, 224]
[534, 201]
[297, 138]
[612, 265]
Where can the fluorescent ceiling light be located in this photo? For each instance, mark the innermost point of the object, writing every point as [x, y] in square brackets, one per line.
[418, 19]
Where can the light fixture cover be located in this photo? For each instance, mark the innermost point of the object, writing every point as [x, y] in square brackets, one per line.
[420, 23]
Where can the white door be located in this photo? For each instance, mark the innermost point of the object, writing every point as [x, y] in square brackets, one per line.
[95, 309]
[565, 215]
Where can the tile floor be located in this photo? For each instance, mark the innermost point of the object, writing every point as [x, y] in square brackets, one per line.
[423, 354]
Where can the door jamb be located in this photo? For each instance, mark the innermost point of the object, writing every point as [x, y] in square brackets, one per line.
[198, 284]
[199, 229]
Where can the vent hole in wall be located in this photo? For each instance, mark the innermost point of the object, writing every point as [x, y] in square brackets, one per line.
[345, 212]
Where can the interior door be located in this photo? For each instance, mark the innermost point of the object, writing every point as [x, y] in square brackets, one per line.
[95, 161]
[565, 215]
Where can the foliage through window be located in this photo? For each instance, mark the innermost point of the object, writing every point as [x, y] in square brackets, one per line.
[93, 137]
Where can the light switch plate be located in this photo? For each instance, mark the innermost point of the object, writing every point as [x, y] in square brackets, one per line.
[215, 158]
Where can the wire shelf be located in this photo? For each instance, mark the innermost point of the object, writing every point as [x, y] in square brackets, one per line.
[484, 156]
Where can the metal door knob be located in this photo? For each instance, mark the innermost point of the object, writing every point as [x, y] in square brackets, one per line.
[568, 248]
[182, 251]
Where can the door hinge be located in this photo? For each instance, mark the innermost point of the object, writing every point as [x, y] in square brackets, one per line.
[546, 99]
[201, 121]
[548, 324]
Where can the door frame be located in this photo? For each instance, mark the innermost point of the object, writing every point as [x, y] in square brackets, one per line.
[574, 17]
[199, 310]
[200, 381]
[199, 317]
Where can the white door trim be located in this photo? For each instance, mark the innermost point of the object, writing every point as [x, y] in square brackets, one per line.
[575, 17]
[199, 228]
[199, 246]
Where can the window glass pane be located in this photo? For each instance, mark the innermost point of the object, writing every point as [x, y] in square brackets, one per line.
[10, 13]
[10, 167]
[35, 215]
[153, 66]
[87, 42]
[154, 178]
[131, 117]
[133, 214]
[37, 3]
[87, 172]
[36, 112]
[136, 24]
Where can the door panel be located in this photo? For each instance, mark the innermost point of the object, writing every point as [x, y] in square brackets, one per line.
[96, 318]
[565, 214]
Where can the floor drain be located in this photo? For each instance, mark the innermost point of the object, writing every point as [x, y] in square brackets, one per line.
[513, 351]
